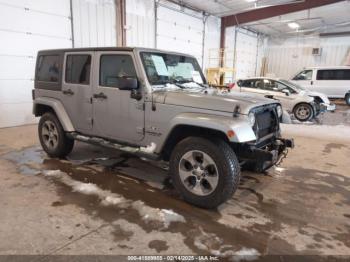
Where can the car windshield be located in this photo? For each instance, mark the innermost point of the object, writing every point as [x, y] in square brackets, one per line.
[292, 85]
[163, 69]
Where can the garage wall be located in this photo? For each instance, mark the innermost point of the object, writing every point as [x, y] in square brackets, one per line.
[286, 57]
[94, 23]
[246, 51]
[177, 28]
[27, 26]
[140, 28]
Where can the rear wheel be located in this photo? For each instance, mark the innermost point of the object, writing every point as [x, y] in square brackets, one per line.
[303, 112]
[52, 136]
[347, 99]
[206, 173]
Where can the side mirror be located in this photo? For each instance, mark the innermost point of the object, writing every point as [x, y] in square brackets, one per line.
[128, 83]
[286, 92]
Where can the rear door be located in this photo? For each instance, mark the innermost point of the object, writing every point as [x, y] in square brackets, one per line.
[77, 89]
[116, 114]
[253, 86]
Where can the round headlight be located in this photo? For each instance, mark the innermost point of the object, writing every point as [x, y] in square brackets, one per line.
[251, 117]
[279, 111]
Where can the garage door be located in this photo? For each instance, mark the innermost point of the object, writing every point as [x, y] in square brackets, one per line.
[180, 31]
[25, 27]
[246, 54]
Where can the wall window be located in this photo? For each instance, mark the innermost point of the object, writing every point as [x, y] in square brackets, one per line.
[304, 75]
[338, 74]
[114, 67]
[48, 68]
[78, 69]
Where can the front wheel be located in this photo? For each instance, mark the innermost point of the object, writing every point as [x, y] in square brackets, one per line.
[303, 112]
[206, 173]
[347, 99]
[52, 136]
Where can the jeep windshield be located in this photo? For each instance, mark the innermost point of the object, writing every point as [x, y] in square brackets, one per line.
[163, 69]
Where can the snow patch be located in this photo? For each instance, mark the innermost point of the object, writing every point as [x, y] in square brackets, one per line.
[149, 149]
[246, 254]
[108, 198]
[165, 216]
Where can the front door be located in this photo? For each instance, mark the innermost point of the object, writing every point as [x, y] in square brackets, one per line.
[77, 89]
[116, 115]
[305, 79]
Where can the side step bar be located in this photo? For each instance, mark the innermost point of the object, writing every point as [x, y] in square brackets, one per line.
[138, 151]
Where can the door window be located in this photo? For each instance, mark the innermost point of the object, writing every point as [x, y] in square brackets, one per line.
[337, 74]
[248, 83]
[304, 75]
[115, 67]
[78, 69]
[48, 68]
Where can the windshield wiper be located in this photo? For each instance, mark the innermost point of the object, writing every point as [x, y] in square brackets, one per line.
[191, 81]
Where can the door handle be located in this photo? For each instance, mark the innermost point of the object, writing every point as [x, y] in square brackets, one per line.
[100, 95]
[312, 82]
[68, 92]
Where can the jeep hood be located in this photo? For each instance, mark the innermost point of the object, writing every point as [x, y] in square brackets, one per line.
[211, 99]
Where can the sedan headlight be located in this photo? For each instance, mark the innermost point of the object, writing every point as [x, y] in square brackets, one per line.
[251, 117]
[279, 111]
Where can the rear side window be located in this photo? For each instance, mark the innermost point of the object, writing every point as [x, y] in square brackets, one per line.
[248, 83]
[114, 67]
[78, 69]
[48, 68]
[335, 74]
[304, 75]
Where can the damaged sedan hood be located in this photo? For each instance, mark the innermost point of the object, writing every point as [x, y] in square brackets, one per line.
[210, 99]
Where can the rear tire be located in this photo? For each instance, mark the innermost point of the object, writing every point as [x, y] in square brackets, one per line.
[205, 172]
[303, 112]
[347, 99]
[52, 137]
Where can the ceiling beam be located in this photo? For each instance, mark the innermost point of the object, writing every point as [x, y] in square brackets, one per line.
[267, 12]
[271, 11]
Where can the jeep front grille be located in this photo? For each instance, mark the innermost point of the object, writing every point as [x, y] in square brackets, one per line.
[266, 120]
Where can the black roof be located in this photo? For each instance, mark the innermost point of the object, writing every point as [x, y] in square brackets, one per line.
[86, 49]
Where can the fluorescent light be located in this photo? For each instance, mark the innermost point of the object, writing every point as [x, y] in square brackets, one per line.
[250, 1]
[293, 25]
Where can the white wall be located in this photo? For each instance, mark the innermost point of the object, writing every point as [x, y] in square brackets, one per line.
[245, 52]
[94, 23]
[140, 23]
[27, 26]
[286, 57]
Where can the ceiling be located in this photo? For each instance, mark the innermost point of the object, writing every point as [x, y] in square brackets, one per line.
[228, 7]
[325, 19]
[320, 20]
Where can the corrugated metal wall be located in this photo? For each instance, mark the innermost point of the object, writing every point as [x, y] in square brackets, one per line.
[290, 56]
[140, 24]
[94, 23]
[27, 26]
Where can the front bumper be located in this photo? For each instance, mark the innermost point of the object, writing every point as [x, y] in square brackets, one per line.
[267, 156]
[327, 107]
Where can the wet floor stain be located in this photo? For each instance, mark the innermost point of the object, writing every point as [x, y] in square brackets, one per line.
[253, 221]
[158, 245]
[331, 146]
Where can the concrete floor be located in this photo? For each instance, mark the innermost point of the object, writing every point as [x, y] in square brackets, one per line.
[102, 202]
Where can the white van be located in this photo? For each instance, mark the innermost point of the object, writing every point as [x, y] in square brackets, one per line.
[333, 81]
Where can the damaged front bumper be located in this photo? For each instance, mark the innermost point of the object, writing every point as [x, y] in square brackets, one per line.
[264, 157]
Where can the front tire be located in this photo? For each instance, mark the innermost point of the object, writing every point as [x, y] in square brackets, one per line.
[303, 112]
[206, 173]
[347, 99]
[52, 136]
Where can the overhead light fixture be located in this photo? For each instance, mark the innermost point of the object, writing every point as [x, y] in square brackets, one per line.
[250, 1]
[293, 25]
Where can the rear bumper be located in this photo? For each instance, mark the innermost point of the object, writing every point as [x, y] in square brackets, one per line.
[267, 156]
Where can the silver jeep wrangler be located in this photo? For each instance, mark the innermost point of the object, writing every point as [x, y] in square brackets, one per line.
[156, 104]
